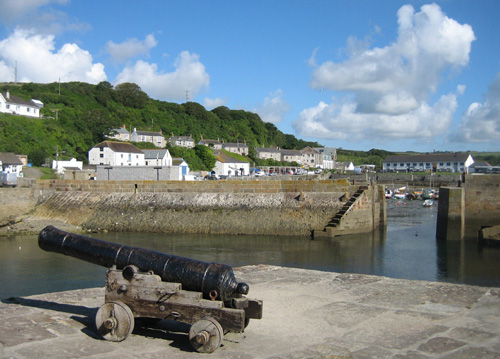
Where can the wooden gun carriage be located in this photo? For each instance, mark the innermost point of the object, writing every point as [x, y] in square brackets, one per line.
[146, 284]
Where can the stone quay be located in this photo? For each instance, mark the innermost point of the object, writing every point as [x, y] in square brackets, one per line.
[307, 314]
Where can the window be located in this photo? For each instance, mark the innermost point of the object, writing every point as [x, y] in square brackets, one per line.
[101, 155]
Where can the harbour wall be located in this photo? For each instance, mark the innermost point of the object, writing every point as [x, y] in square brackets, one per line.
[464, 210]
[216, 207]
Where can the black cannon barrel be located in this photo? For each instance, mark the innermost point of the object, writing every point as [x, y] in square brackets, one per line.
[192, 274]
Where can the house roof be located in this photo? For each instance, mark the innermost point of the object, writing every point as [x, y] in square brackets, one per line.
[291, 153]
[11, 99]
[269, 150]
[153, 154]
[215, 142]
[9, 158]
[326, 150]
[224, 158]
[180, 138]
[120, 130]
[149, 133]
[440, 157]
[240, 145]
[119, 147]
[309, 150]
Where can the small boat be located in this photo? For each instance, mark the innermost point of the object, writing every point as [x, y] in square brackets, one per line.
[429, 194]
[399, 195]
[388, 193]
[428, 203]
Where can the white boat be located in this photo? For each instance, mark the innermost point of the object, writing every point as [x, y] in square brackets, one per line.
[388, 193]
[428, 203]
[399, 195]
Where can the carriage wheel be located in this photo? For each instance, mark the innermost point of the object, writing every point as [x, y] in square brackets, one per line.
[114, 321]
[206, 335]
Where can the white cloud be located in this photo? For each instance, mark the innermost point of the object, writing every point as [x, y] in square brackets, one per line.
[211, 103]
[130, 48]
[391, 85]
[189, 75]
[481, 121]
[341, 121]
[274, 107]
[38, 60]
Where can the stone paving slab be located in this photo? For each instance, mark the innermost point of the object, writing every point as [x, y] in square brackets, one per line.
[307, 314]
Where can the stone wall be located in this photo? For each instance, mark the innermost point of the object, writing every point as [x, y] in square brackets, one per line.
[464, 210]
[143, 173]
[217, 207]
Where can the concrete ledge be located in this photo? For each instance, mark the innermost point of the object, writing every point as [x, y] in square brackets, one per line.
[307, 314]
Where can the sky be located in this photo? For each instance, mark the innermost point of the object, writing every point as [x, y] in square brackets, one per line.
[388, 74]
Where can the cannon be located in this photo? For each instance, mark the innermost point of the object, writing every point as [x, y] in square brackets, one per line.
[141, 283]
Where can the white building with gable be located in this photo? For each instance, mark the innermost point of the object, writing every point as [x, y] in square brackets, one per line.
[116, 154]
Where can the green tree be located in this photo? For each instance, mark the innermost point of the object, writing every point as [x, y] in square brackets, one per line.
[206, 156]
[130, 95]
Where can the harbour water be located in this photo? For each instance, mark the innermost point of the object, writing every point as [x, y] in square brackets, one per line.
[406, 249]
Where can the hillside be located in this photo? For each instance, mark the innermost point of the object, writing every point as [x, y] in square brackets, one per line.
[77, 116]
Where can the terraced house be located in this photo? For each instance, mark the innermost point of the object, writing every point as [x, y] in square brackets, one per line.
[440, 162]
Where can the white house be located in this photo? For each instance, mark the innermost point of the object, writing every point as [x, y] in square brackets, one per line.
[226, 165]
[72, 164]
[183, 165]
[440, 162]
[329, 156]
[10, 163]
[17, 106]
[239, 148]
[181, 141]
[116, 154]
[157, 158]
[266, 153]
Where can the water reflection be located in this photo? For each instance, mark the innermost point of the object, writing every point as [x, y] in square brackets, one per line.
[406, 249]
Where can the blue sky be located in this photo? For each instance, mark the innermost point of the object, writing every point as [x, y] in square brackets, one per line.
[388, 74]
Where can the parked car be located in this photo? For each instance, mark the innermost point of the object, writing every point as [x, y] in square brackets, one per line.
[8, 179]
[259, 174]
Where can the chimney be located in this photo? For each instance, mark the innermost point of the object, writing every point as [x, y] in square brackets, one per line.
[7, 94]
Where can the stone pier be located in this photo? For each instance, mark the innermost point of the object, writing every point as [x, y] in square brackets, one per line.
[307, 314]
[464, 210]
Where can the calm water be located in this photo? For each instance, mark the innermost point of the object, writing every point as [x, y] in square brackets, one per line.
[406, 249]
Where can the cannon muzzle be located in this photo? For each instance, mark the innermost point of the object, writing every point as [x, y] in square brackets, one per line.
[212, 279]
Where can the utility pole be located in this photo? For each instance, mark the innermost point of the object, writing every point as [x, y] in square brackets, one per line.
[15, 74]
[187, 96]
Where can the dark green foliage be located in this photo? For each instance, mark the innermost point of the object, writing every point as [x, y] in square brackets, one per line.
[206, 156]
[78, 115]
[130, 95]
